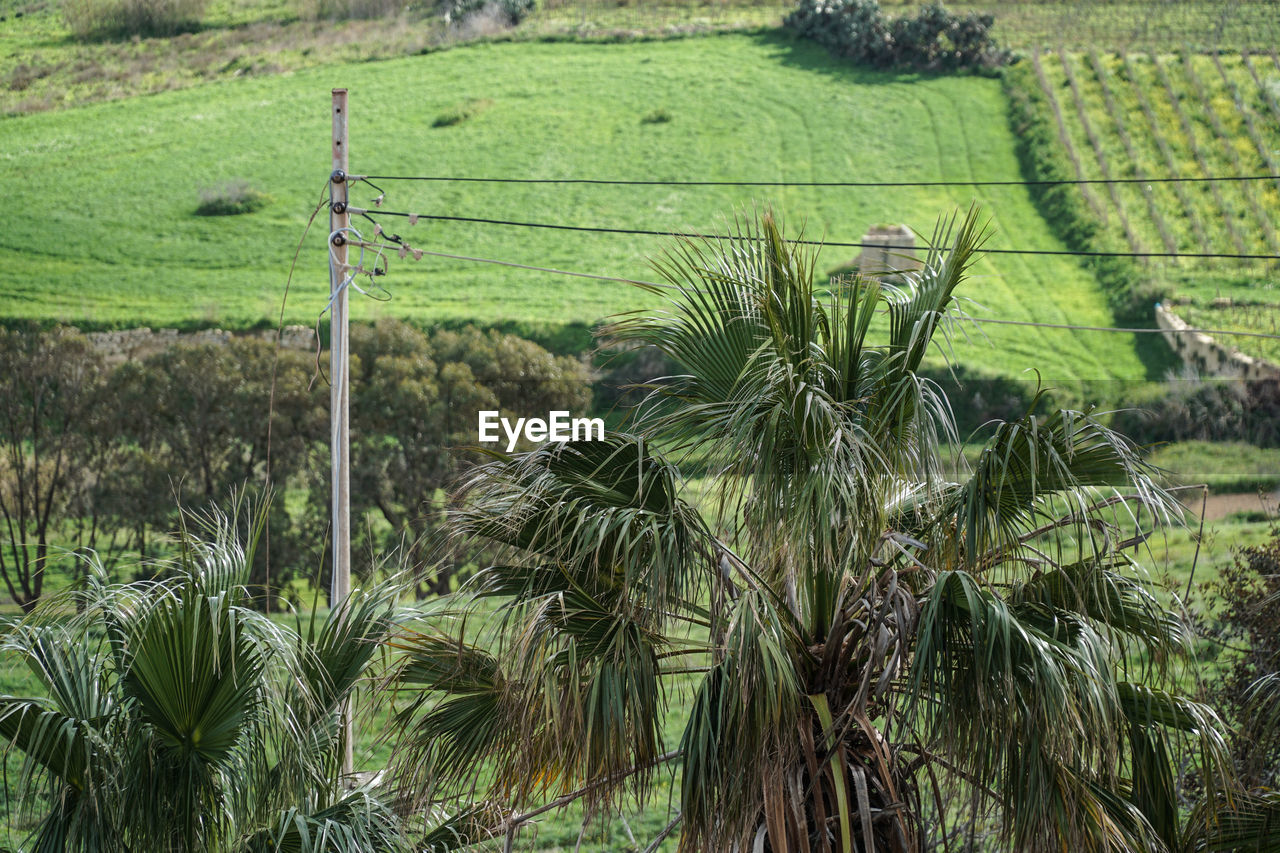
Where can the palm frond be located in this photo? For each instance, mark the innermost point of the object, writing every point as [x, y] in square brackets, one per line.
[607, 513]
[737, 741]
[1040, 469]
[1246, 823]
[358, 823]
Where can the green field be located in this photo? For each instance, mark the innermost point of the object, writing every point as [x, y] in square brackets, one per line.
[106, 233]
[43, 68]
[106, 149]
[1140, 115]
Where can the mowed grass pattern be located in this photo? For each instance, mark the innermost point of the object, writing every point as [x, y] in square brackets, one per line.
[105, 231]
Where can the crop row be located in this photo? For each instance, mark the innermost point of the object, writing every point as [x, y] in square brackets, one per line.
[1099, 152]
[1191, 116]
[1130, 24]
[1195, 126]
[1226, 143]
[1065, 138]
[1246, 114]
[1170, 164]
[1118, 122]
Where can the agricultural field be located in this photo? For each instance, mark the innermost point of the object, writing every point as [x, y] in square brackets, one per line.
[43, 67]
[109, 235]
[1136, 115]
[169, 181]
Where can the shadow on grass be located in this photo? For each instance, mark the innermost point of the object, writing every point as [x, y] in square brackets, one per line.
[1156, 356]
[796, 52]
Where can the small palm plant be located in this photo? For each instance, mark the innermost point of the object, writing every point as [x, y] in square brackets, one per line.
[880, 652]
[177, 718]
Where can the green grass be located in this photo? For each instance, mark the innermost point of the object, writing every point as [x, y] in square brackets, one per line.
[105, 233]
[42, 67]
[1223, 466]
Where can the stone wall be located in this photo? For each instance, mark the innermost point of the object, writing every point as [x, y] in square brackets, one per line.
[1208, 356]
[134, 344]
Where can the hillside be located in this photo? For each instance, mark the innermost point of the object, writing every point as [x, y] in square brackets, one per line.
[44, 67]
[108, 235]
[1140, 114]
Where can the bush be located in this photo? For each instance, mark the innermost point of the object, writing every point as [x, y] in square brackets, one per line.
[934, 38]
[231, 199]
[1212, 410]
[509, 12]
[462, 112]
[1247, 600]
[658, 116]
[89, 19]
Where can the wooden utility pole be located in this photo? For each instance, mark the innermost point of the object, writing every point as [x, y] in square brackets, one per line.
[339, 390]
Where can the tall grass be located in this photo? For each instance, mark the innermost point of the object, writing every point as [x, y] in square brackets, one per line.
[343, 10]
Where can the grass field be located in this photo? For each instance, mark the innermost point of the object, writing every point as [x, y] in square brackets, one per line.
[43, 68]
[106, 233]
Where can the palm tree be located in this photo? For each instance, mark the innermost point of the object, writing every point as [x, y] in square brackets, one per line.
[880, 653]
[176, 718]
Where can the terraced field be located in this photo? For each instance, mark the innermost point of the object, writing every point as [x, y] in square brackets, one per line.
[1140, 115]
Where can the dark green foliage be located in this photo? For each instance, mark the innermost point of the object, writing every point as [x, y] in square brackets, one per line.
[104, 457]
[1248, 619]
[1130, 292]
[510, 12]
[176, 718]
[416, 398]
[190, 425]
[1208, 410]
[51, 386]
[231, 199]
[934, 38]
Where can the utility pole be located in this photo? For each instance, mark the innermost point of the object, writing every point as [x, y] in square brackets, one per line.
[339, 390]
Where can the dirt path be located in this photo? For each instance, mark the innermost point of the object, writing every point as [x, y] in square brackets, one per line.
[1220, 506]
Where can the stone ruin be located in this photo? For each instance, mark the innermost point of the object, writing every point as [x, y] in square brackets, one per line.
[881, 261]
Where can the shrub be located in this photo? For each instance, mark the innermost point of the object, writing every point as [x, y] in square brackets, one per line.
[509, 12]
[1214, 410]
[231, 199]
[462, 112]
[934, 38]
[1247, 595]
[89, 19]
[658, 116]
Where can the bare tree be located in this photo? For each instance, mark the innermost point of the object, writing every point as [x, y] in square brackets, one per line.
[49, 383]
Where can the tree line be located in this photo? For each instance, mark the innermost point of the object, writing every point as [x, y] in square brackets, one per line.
[104, 457]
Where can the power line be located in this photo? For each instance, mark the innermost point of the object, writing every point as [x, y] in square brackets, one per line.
[738, 183]
[1267, 335]
[597, 229]
[416, 251]
[655, 284]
